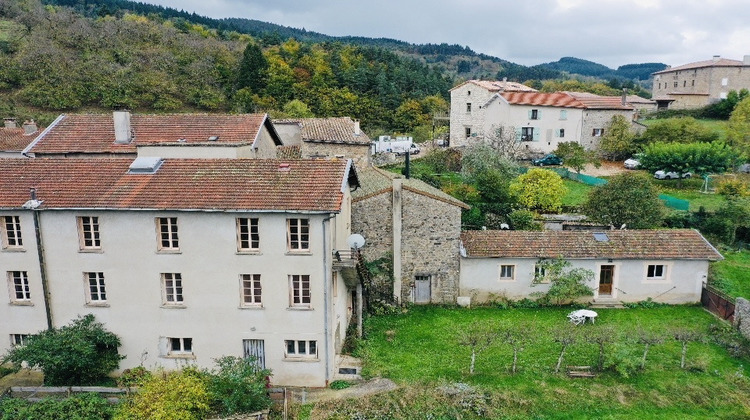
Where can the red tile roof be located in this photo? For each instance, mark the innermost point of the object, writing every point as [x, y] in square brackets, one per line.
[499, 86]
[621, 244]
[95, 133]
[592, 101]
[14, 139]
[179, 184]
[565, 100]
[329, 130]
[721, 62]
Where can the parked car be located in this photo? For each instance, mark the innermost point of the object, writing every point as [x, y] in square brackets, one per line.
[670, 175]
[632, 163]
[547, 161]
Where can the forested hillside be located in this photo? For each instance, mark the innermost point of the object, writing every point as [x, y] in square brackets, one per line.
[574, 65]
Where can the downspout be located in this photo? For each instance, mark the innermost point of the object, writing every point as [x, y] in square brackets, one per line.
[326, 272]
[33, 204]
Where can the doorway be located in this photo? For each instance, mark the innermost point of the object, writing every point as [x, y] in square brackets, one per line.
[422, 289]
[606, 275]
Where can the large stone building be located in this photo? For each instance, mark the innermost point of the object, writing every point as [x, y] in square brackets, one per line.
[698, 84]
[325, 138]
[186, 260]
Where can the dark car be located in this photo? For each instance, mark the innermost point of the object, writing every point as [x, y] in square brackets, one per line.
[547, 161]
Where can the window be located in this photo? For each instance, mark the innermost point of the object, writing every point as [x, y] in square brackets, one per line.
[248, 238]
[598, 132]
[172, 285]
[167, 227]
[527, 133]
[656, 272]
[96, 290]
[251, 290]
[506, 272]
[88, 232]
[563, 114]
[692, 83]
[12, 232]
[18, 339]
[468, 131]
[724, 81]
[299, 290]
[298, 234]
[301, 349]
[179, 346]
[468, 107]
[534, 114]
[18, 282]
[675, 84]
[540, 274]
[684, 83]
[659, 85]
[561, 133]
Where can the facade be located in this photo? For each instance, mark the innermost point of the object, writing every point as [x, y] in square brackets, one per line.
[702, 83]
[186, 260]
[467, 101]
[168, 136]
[14, 139]
[415, 226]
[326, 138]
[629, 265]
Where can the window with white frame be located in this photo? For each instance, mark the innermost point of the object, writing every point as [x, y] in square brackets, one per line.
[534, 114]
[561, 133]
[12, 232]
[306, 349]
[18, 282]
[298, 234]
[167, 228]
[248, 236]
[507, 271]
[656, 272]
[172, 288]
[597, 132]
[18, 339]
[299, 290]
[97, 293]
[540, 273]
[88, 232]
[179, 346]
[251, 289]
[527, 133]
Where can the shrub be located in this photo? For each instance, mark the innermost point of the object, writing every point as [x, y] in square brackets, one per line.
[238, 386]
[339, 384]
[169, 396]
[79, 406]
[81, 353]
[623, 359]
[133, 377]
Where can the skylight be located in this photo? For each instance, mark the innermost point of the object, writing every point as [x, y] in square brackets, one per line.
[601, 237]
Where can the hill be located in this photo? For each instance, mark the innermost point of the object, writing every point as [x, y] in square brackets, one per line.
[574, 65]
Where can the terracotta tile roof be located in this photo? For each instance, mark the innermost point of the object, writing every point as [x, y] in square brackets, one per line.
[635, 99]
[329, 130]
[14, 139]
[288, 152]
[565, 100]
[621, 244]
[722, 62]
[179, 184]
[499, 86]
[593, 101]
[374, 181]
[95, 133]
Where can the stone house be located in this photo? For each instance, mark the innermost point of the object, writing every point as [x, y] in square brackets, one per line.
[122, 134]
[695, 85]
[186, 260]
[325, 138]
[414, 225]
[669, 265]
[14, 139]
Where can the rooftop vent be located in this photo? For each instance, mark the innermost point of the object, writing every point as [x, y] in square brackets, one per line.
[29, 127]
[213, 138]
[284, 167]
[145, 165]
[601, 237]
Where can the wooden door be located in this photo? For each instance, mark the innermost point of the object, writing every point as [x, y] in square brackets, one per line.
[422, 292]
[606, 274]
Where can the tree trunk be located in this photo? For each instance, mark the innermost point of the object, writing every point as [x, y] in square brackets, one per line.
[473, 358]
[560, 359]
[515, 360]
[645, 353]
[684, 351]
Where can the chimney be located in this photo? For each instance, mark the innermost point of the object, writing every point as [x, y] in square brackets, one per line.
[746, 60]
[716, 58]
[624, 96]
[123, 132]
[10, 122]
[357, 131]
[29, 127]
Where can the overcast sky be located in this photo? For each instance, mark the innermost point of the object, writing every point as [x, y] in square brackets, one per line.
[610, 32]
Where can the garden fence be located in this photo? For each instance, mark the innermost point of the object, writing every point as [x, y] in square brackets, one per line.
[718, 303]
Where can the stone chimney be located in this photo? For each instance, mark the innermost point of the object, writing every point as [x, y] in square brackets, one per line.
[10, 122]
[746, 60]
[716, 58]
[357, 131]
[123, 132]
[29, 127]
[624, 96]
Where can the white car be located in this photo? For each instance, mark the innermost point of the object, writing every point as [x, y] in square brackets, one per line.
[670, 175]
[632, 163]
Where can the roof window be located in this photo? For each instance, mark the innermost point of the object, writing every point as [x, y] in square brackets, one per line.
[601, 237]
[145, 165]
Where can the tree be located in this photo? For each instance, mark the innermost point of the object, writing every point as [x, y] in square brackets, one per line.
[575, 156]
[618, 141]
[628, 199]
[477, 337]
[238, 386]
[565, 285]
[253, 69]
[539, 189]
[566, 336]
[685, 336]
[678, 130]
[524, 220]
[516, 336]
[503, 140]
[648, 339]
[738, 131]
[80, 353]
[297, 109]
[699, 158]
[601, 336]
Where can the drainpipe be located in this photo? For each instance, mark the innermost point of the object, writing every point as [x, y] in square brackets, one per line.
[33, 204]
[326, 273]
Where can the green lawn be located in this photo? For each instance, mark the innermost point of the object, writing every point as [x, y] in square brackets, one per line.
[732, 275]
[577, 193]
[719, 126]
[419, 351]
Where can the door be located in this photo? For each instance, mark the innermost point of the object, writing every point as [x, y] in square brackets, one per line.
[422, 292]
[606, 274]
[255, 349]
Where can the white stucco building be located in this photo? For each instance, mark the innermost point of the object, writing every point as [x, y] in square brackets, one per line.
[186, 260]
[667, 265]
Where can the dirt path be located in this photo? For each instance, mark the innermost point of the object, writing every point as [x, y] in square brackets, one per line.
[607, 169]
[373, 386]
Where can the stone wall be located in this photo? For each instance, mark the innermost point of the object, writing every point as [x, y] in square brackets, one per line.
[461, 118]
[742, 316]
[371, 218]
[598, 119]
[359, 153]
[430, 245]
[695, 88]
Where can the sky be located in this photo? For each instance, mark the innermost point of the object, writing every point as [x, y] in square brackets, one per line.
[609, 32]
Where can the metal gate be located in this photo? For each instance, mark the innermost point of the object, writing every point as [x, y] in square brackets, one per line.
[255, 349]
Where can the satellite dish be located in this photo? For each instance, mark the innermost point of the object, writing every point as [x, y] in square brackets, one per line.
[355, 241]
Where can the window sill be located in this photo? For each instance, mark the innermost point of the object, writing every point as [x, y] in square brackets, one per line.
[190, 356]
[21, 303]
[506, 280]
[13, 249]
[300, 359]
[91, 251]
[249, 252]
[173, 306]
[657, 281]
[305, 252]
[97, 305]
[168, 251]
[252, 307]
[299, 308]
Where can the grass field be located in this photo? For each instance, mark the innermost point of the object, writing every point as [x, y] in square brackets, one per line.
[732, 275]
[419, 350]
